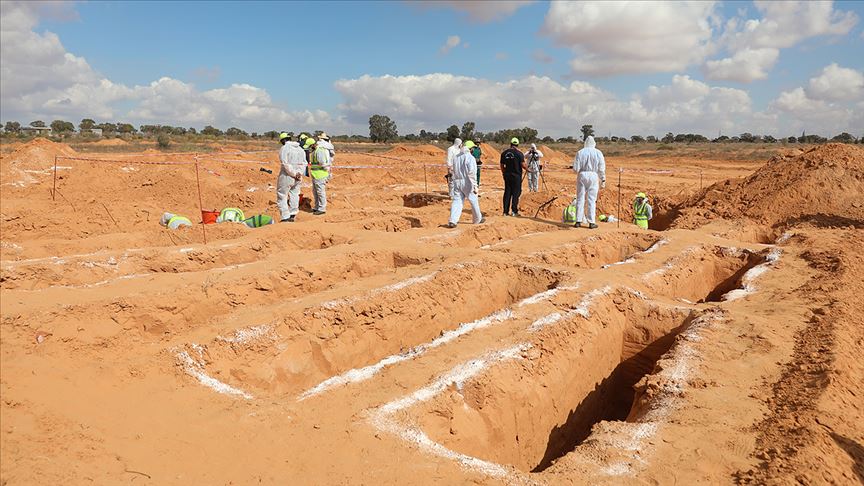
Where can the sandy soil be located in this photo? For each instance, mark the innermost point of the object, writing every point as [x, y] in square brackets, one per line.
[372, 345]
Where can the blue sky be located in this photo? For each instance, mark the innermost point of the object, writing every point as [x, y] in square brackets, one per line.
[259, 65]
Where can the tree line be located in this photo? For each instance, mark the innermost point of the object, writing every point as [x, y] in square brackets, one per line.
[383, 129]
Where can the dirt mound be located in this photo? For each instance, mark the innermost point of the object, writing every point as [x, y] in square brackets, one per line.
[822, 185]
[111, 142]
[489, 154]
[39, 153]
[424, 150]
[552, 156]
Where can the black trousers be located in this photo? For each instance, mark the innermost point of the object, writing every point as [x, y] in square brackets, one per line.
[512, 191]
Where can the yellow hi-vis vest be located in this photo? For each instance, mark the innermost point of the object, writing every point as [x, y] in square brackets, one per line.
[315, 169]
[234, 215]
[640, 213]
[180, 220]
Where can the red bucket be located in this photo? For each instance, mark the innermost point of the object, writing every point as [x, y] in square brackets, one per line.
[209, 217]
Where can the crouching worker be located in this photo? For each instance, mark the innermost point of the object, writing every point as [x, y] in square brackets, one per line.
[258, 221]
[642, 211]
[231, 215]
[465, 186]
[292, 161]
[173, 221]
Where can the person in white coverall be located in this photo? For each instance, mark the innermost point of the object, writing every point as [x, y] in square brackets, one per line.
[324, 141]
[320, 171]
[590, 167]
[292, 161]
[452, 152]
[535, 165]
[464, 186]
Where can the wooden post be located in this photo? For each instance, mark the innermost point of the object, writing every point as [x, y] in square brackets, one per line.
[620, 170]
[200, 203]
[700, 179]
[425, 182]
[54, 190]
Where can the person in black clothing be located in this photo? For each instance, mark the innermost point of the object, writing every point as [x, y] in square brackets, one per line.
[512, 165]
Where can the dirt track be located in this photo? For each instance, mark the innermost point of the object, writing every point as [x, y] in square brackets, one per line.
[373, 346]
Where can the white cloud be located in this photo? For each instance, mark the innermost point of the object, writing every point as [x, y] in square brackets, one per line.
[784, 24]
[41, 80]
[480, 10]
[438, 100]
[832, 103]
[452, 41]
[632, 37]
[837, 84]
[754, 44]
[744, 66]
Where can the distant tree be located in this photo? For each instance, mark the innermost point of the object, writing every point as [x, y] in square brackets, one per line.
[410, 137]
[587, 131]
[567, 139]
[125, 128]
[467, 132]
[651, 138]
[86, 125]
[424, 135]
[273, 134]
[235, 132]
[721, 138]
[844, 138]
[12, 127]
[452, 133]
[769, 139]
[613, 138]
[791, 140]
[747, 137]
[382, 128]
[669, 138]
[107, 128]
[637, 139]
[547, 139]
[61, 126]
[210, 130]
[37, 123]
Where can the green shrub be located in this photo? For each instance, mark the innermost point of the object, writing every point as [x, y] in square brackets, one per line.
[163, 141]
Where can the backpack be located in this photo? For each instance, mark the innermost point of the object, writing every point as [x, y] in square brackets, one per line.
[569, 214]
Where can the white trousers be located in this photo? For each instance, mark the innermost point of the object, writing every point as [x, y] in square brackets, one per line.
[587, 185]
[287, 195]
[533, 181]
[319, 191]
[458, 202]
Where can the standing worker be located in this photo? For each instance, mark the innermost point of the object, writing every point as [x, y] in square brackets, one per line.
[512, 165]
[477, 153]
[324, 141]
[590, 167]
[319, 169]
[292, 164]
[533, 157]
[642, 211]
[465, 186]
[452, 152]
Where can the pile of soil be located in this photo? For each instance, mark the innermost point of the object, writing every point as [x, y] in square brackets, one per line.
[424, 150]
[39, 153]
[112, 142]
[489, 154]
[823, 185]
[552, 156]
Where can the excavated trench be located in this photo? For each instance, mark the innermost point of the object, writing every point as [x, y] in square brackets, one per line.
[577, 372]
[703, 273]
[594, 252]
[324, 341]
[100, 268]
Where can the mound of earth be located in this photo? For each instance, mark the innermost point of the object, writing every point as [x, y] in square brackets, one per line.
[823, 185]
[424, 150]
[552, 156]
[489, 154]
[111, 142]
[39, 153]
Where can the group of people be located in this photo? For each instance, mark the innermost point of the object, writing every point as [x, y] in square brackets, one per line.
[311, 156]
[463, 176]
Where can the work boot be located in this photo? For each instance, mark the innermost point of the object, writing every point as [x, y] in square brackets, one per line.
[451, 225]
[318, 213]
[592, 226]
[289, 219]
[577, 224]
[482, 220]
[515, 214]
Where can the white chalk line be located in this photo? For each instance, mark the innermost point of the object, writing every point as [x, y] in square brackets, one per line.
[383, 418]
[195, 369]
[747, 281]
[358, 375]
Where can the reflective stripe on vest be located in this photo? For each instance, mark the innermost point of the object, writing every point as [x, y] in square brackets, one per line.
[238, 214]
[640, 213]
[181, 219]
[315, 168]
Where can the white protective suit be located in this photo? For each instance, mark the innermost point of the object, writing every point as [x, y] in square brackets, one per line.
[590, 167]
[329, 146]
[452, 152]
[464, 179]
[533, 159]
[292, 163]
